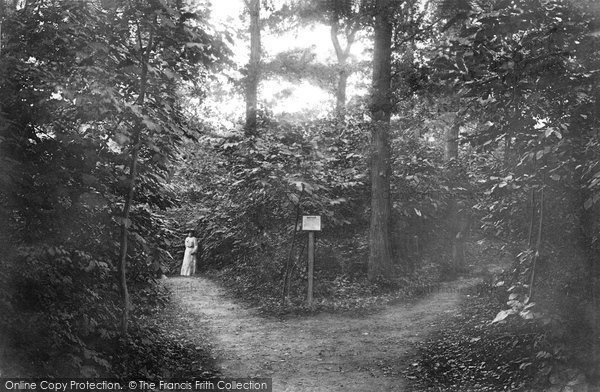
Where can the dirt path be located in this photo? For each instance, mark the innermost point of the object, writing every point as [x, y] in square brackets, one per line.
[326, 352]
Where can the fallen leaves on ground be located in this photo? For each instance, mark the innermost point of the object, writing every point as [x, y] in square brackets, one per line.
[471, 354]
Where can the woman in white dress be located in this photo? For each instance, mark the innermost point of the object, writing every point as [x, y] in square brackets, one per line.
[188, 267]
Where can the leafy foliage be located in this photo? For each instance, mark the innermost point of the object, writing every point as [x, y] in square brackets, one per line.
[257, 184]
[82, 85]
[469, 355]
[526, 71]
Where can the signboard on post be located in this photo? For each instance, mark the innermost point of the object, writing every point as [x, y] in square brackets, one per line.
[311, 223]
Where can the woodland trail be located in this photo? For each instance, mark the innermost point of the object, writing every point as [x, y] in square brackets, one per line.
[323, 352]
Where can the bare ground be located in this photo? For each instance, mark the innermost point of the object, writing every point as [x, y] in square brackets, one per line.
[323, 352]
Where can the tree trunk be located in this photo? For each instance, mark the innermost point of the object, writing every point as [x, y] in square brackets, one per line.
[380, 253]
[2, 14]
[342, 56]
[538, 246]
[457, 221]
[125, 216]
[252, 78]
[122, 268]
[507, 147]
[6, 9]
[532, 216]
[340, 93]
[452, 141]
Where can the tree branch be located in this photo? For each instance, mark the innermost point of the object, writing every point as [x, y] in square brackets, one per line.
[334, 38]
[351, 38]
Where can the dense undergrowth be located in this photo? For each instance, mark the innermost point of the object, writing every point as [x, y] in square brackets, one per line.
[156, 349]
[331, 294]
[153, 349]
[260, 283]
[471, 353]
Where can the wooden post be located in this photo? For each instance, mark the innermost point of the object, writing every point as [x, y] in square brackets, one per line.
[311, 223]
[311, 264]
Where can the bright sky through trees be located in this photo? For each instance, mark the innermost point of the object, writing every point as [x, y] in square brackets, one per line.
[278, 95]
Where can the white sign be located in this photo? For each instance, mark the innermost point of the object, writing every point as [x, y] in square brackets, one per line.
[311, 223]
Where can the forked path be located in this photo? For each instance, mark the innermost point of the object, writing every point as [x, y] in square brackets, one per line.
[324, 352]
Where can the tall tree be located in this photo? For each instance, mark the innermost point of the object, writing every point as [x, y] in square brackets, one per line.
[380, 250]
[253, 76]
